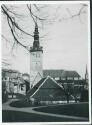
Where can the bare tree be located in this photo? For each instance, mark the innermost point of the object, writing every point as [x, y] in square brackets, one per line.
[38, 14]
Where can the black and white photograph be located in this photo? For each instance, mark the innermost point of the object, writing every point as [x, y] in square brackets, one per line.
[45, 62]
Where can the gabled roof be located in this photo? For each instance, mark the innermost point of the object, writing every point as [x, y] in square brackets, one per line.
[40, 84]
[70, 74]
[37, 75]
[31, 91]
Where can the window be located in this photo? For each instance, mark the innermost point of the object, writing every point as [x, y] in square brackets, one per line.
[56, 78]
[22, 87]
[5, 78]
[75, 78]
[37, 55]
[70, 78]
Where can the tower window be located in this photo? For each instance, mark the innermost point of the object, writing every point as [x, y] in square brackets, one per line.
[37, 55]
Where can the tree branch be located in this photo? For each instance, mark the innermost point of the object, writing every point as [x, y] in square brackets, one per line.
[15, 36]
[12, 19]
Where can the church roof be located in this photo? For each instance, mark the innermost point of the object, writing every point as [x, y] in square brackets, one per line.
[60, 73]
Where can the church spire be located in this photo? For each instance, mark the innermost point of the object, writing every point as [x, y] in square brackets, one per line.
[86, 74]
[36, 38]
[86, 70]
[36, 44]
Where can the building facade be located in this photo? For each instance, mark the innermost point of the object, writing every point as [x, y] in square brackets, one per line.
[36, 53]
[14, 82]
[62, 74]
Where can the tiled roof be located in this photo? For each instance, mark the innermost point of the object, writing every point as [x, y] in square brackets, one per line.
[48, 90]
[49, 82]
[52, 73]
[10, 70]
[70, 74]
[60, 73]
[31, 92]
[26, 74]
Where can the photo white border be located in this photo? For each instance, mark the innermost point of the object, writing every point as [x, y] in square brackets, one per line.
[89, 61]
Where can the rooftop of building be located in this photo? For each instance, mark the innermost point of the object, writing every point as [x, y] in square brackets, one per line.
[60, 73]
[31, 92]
[50, 72]
[46, 80]
[10, 70]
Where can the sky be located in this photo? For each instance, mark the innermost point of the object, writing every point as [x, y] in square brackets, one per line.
[64, 47]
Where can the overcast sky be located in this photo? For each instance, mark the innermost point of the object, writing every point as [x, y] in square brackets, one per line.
[64, 47]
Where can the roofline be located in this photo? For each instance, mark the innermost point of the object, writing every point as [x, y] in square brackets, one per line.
[53, 69]
[56, 82]
[61, 70]
[39, 87]
[36, 76]
[8, 70]
[44, 82]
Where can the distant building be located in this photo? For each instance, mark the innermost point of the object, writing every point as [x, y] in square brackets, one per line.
[26, 77]
[13, 81]
[36, 53]
[62, 74]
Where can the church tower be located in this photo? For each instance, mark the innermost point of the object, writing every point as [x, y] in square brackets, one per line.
[86, 75]
[36, 52]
